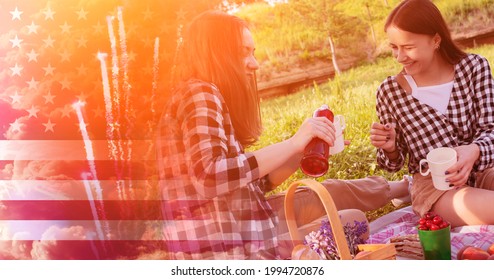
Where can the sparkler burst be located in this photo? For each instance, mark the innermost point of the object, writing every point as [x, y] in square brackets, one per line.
[76, 138]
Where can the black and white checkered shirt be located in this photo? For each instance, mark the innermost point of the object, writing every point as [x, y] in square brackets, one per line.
[420, 128]
[213, 199]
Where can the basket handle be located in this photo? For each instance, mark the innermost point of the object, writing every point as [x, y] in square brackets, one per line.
[329, 207]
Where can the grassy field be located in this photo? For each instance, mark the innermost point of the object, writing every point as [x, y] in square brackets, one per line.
[352, 94]
[285, 40]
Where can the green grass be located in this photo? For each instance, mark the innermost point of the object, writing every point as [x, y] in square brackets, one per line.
[352, 94]
[285, 41]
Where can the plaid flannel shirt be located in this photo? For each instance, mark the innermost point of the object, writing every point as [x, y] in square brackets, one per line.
[420, 128]
[213, 200]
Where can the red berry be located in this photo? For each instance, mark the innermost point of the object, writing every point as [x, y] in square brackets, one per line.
[429, 215]
[432, 221]
[437, 220]
[428, 223]
[423, 227]
[434, 227]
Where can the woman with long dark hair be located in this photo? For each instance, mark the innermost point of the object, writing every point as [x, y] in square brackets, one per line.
[443, 97]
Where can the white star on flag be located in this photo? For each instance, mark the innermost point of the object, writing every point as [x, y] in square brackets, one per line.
[79, 182]
[81, 14]
[16, 98]
[16, 42]
[49, 42]
[33, 112]
[65, 28]
[16, 126]
[49, 98]
[49, 126]
[49, 14]
[49, 70]
[16, 70]
[32, 56]
[33, 28]
[16, 14]
[33, 84]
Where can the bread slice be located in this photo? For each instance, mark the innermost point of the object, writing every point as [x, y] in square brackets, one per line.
[408, 246]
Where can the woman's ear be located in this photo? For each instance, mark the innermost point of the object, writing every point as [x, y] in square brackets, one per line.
[437, 41]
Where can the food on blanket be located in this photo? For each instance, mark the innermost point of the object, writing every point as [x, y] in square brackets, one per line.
[490, 250]
[408, 246]
[434, 236]
[472, 253]
[460, 252]
[432, 221]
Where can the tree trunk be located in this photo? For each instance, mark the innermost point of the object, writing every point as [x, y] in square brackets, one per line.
[374, 40]
[333, 55]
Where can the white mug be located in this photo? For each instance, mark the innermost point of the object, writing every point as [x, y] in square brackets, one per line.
[339, 143]
[439, 160]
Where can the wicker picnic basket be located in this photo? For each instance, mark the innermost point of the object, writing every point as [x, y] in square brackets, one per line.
[373, 251]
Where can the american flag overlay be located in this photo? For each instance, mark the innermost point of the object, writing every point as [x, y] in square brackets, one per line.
[80, 85]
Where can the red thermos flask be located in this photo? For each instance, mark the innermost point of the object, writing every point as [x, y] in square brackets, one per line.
[314, 163]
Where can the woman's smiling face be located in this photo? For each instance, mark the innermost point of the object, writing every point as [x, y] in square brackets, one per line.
[415, 52]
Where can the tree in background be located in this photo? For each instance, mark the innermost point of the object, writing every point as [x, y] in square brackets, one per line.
[324, 17]
[372, 13]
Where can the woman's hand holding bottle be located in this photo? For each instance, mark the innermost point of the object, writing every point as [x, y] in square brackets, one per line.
[319, 127]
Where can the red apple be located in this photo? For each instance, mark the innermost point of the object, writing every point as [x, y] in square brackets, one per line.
[474, 253]
[459, 255]
[491, 257]
[490, 250]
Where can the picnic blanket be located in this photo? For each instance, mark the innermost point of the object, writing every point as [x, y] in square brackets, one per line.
[403, 221]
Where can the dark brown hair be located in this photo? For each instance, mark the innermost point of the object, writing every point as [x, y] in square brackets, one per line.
[211, 50]
[423, 17]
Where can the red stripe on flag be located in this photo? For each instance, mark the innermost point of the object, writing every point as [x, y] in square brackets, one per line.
[114, 210]
[80, 210]
[75, 149]
[77, 189]
[80, 169]
[84, 249]
[117, 249]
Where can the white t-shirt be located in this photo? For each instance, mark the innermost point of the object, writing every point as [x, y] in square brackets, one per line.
[436, 96]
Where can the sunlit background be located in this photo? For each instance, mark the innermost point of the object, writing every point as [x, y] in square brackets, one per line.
[81, 88]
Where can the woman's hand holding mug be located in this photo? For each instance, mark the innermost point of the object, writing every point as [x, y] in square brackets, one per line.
[460, 172]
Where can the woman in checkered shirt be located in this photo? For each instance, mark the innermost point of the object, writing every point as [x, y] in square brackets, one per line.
[214, 203]
[444, 97]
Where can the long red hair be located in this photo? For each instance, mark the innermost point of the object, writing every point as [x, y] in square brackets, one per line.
[211, 50]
